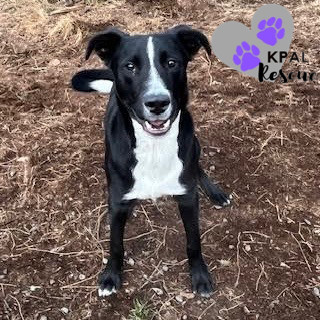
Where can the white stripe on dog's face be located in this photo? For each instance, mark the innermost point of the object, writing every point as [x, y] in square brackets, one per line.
[103, 86]
[155, 85]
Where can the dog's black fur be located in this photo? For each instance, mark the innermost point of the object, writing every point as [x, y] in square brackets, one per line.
[129, 69]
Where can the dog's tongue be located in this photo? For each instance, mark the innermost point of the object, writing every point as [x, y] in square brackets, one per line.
[157, 123]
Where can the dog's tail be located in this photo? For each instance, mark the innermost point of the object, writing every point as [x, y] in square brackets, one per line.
[100, 80]
[215, 194]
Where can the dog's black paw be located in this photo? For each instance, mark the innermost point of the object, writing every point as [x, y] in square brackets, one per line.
[219, 197]
[201, 281]
[109, 282]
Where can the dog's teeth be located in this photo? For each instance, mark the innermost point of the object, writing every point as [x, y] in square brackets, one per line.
[148, 125]
[151, 128]
[166, 124]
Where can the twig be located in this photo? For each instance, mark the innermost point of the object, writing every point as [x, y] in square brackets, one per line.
[149, 278]
[257, 233]
[228, 309]
[7, 284]
[75, 253]
[139, 236]
[210, 229]
[65, 10]
[260, 275]
[304, 256]
[19, 306]
[206, 309]
[283, 291]
[71, 285]
[238, 260]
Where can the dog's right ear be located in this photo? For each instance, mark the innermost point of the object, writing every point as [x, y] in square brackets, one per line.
[99, 80]
[105, 43]
[191, 40]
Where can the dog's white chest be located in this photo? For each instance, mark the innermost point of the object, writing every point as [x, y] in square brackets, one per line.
[158, 167]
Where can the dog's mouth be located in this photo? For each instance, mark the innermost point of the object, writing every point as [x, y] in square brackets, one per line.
[157, 127]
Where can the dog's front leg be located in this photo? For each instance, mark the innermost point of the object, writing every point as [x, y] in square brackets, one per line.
[111, 277]
[189, 211]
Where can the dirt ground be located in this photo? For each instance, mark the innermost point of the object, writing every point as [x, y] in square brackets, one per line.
[261, 141]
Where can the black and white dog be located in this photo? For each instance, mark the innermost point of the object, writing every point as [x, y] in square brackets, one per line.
[151, 148]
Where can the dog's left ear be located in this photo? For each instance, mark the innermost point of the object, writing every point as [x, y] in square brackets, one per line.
[105, 44]
[191, 40]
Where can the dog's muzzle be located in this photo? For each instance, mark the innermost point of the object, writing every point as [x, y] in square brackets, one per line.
[157, 109]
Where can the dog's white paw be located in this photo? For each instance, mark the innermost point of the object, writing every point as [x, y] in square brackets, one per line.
[106, 292]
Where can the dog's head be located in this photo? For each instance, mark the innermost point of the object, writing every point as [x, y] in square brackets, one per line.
[149, 72]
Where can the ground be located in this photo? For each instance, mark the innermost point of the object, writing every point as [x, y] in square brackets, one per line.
[260, 141]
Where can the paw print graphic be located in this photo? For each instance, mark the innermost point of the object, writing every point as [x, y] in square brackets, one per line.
[246, 56]
[271, 31]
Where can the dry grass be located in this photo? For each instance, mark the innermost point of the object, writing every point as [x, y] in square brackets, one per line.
[263, 139]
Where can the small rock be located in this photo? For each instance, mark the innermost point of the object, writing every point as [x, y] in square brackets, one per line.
[51, 281]
[187, 295]
[283, 264]
[129, 290]
[2, 276]
[179, 298]
[316, 292]
[184, 317]
[158, 291]
[64, 310]
[231, 246]
[33, 288]
[225, 263]
[247, 247]
[274, 303]
[225, 220]
[212, 168]
[165, 268]
[131, 262]
[307, 222]
[82, 276]
[20, 48]
[43, 317]
[5, 271]
[104, 260]
[54, 62]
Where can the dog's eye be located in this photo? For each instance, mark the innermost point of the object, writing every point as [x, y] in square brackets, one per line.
[130, 66]
[171, 63]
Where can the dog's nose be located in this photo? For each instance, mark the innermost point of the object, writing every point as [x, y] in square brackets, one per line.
[157, 104]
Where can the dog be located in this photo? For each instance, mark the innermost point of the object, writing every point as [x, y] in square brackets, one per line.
[151, 147]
